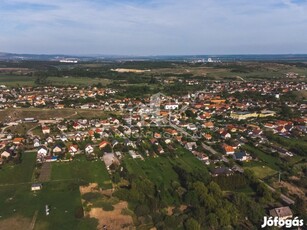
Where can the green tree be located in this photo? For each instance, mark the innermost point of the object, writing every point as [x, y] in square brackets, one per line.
[191, 224]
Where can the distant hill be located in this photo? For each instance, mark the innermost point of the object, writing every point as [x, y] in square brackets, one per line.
[223, 58]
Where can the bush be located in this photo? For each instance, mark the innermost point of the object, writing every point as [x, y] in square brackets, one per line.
[91, 196]
[79, 212]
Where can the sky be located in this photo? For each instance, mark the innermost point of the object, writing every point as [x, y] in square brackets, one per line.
[153, 27]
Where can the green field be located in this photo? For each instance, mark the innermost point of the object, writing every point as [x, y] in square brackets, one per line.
[268, 160]
[20, 173]
[13, 81]
[63, 198]
[262, 172]
[83, 170]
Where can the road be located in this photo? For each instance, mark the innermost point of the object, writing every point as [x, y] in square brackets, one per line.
[4, 128]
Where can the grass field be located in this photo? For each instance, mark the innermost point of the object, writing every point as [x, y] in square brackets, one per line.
[267, 159]
[20, 173]
[13, 81]
[261, 172]
[62, 197]
[81, 169]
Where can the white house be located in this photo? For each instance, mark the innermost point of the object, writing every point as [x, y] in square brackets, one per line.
[45, 130]
[42, 151]
[89, 149]
[5, 154]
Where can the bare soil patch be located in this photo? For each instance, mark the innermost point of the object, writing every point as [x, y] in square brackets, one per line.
[113, 219]
[15, 223]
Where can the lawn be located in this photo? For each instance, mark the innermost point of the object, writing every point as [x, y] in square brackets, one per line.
[81, 169]
[20, 173]
[262, 172]
[268, 160]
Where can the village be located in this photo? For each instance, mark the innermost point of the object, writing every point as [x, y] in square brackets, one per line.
[228, 133]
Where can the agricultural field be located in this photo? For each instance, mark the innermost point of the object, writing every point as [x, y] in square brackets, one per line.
[14, 81]
[81, 81]
[20, 113]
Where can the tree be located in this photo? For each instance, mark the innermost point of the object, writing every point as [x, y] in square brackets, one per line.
[191, 224]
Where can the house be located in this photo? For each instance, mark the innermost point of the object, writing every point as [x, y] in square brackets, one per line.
[78, 137]
[208, 125]
[172, 132]
[160, 149]
[5, 154]
[73, 149]
[89, 149]
[225, 135]
[45, 130]
[222, 171]
[77, 126]
[62, 128]
[192, 127]
[57, 149]
[36, 187]
[282, 212]
[207, 136]
[99, 131]
[240, 156]
[168, 141]
[200, 156]
[49, 140]
[103, 144]
[42, 151]
[63, 138]
[18, 140]
[109, 159]
[135, 155]
[190, 145]
[229, 150]
[36, 143]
